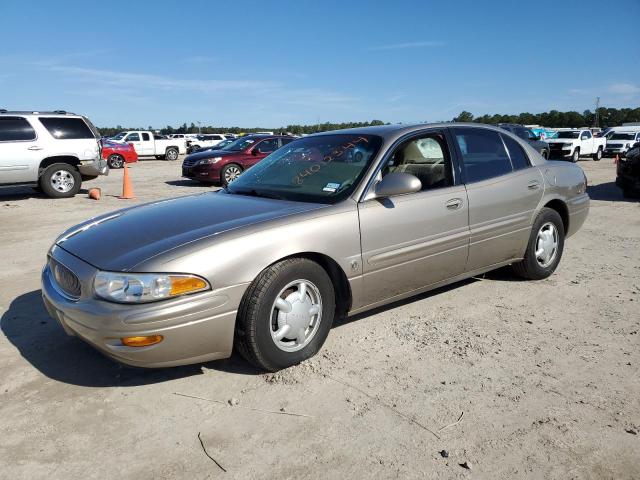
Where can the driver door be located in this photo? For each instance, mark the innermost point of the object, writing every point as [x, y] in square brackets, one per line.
[261, 150]
[134, 140]
[418, 239]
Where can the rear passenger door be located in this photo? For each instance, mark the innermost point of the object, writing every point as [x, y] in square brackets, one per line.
[19, 151]
[503, 191]
[147, 144]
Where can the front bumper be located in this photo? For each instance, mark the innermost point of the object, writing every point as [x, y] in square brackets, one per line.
[205, 173]
[93, 168]
[612, 152]
[196, 328]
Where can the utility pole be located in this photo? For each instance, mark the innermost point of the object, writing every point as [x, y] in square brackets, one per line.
[199, 124]
[595, 118]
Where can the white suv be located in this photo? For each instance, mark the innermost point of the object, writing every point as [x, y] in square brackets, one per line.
[55, 151]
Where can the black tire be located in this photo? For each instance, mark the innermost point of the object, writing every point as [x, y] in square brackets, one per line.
[529, 267]
[227, 173]
[69, 181]
[254, 324]
[115, 161]
[598, 155]
[172, 154]
[545, 154]
[575, 156]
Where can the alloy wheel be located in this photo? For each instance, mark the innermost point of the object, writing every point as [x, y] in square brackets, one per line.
[546, 244]
[62, 181]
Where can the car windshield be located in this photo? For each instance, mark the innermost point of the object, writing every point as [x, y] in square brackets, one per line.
[568, 134]
[319, 169]
[224, 144]
[240, 144]
[119, 136]
[622, 136]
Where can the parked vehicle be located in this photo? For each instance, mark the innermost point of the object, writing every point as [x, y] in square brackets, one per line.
[619, 143]
[527, 135]
[573, 144]
[52, 151]
[308, 236]
[146, 144]
[628, 172]
[224, 166]
[117, 153]
[205, 141]
[219, 146]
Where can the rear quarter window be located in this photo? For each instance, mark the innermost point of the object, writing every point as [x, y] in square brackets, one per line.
[16, 129]
[67, 128]
[519, 158]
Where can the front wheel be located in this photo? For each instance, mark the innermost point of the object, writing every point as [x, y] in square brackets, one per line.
[172, 154]
[576, 156]
[545, 246]
[285, 315]
[60, 180]
[115, 161]
[598, 155]
[229, 173]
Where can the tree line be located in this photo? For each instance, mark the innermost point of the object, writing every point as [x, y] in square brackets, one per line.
[193, 128]
[607, 117]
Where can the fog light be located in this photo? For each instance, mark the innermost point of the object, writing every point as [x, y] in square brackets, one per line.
[141, 341]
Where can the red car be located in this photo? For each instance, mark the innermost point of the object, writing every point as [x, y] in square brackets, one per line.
[116, 153]
[225, 165]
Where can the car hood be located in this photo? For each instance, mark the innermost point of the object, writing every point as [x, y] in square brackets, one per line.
[210, 154]
[121, 240]
[560, 140]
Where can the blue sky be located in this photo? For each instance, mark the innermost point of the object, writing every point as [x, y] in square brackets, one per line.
[270, 64]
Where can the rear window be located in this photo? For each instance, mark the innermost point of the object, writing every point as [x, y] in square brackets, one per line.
[15, 129]
[67, 128]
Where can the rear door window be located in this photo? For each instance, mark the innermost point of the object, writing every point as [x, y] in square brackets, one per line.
[145, 137]
[16, 129]
[66, 128]
[518, 156]
[483, 153]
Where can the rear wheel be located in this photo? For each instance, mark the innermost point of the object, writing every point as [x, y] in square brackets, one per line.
[60, 180]
[545, 154]
[285, 315]
[229, 173]
[172, 153]
[576, 155]
[115, 161]
[545, 246]
[598, 155]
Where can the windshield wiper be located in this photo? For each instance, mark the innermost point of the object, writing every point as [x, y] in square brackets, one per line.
[256, 193]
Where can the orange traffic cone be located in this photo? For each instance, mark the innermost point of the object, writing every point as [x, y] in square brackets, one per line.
[127, 188]
[95, 193]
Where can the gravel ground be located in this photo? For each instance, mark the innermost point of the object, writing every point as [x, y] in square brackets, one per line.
[546, 373]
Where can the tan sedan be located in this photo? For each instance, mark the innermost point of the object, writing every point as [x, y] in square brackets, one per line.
[329, 225]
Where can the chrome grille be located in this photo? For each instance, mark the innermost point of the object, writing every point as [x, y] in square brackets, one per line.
[65, 280]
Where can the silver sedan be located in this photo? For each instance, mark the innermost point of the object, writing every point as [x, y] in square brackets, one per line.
[329, 225]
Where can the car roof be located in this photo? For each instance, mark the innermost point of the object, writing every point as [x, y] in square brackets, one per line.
[393, 132]
[61, 113]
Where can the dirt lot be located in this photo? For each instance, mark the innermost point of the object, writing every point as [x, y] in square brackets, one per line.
[546, 373]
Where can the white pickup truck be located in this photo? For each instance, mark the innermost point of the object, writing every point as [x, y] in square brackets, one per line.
[146, 145]
[573, 144]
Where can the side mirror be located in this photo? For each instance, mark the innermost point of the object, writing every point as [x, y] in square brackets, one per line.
[397, 183]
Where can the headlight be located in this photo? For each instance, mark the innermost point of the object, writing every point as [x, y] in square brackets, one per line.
[145, 287]
[209, 161]
[567, 145]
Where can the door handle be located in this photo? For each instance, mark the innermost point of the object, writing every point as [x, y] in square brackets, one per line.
[533, 185]
[35, 148]
[453, 204]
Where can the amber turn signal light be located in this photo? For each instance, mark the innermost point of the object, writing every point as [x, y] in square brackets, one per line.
[141, 341]
[180, 285]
